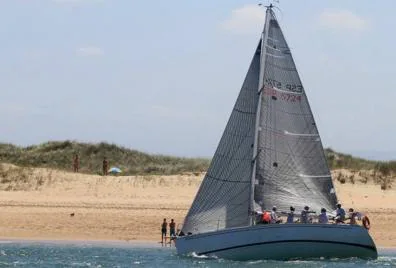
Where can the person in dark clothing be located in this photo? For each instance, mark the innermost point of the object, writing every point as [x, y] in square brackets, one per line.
[172, 229]
[76, 163]
[105, 166]
[164, 227]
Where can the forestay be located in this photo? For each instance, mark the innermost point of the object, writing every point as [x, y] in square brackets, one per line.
[291, 168]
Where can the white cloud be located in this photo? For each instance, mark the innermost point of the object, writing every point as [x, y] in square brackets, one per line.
[90, 51]
[343, 20]
[245, 20]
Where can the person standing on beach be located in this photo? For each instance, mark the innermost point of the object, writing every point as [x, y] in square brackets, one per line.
[105, 166]
[172, 229]
[76, 163]
[164, 227]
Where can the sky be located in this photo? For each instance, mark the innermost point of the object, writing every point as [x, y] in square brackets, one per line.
[163, 76]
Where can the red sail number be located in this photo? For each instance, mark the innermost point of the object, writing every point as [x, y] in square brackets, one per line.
[282, 95]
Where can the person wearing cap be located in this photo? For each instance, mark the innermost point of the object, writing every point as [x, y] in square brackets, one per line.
[323, 216]
[340, 214]
[290, 215]
[304, 215]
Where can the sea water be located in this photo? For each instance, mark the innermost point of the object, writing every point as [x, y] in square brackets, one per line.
[59, 254]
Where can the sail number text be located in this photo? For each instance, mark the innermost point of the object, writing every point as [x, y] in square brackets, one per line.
[290, 87]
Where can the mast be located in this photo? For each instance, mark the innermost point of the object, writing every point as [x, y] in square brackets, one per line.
[264, 37]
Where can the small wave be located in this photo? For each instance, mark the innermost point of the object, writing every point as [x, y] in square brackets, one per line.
[195, 255]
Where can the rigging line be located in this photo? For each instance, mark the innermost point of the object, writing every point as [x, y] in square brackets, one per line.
[275, 56]
[219, 179]
[300, 134]
[240, 111]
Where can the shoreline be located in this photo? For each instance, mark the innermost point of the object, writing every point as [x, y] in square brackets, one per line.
[80, 242]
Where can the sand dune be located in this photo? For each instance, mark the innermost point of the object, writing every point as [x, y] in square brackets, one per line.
[40, 204]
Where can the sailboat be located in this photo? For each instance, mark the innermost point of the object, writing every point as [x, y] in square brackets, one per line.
[270, 154]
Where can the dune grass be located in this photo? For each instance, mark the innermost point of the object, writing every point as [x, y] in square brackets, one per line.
[59, 155]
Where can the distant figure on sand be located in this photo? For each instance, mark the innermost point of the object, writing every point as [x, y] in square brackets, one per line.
[172, 229]
[76, 163]
[105, 166]
[164, 227]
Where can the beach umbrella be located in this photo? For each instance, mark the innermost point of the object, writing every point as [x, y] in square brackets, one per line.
[114, 170]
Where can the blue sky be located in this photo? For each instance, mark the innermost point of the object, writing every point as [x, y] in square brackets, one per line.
[162, 76]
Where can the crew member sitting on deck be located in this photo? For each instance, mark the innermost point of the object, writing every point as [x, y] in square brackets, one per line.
[266, 217]
[290, 216]
[323, 216]
[340, 214]
[352, 215]
[305, 214]
[274, 217]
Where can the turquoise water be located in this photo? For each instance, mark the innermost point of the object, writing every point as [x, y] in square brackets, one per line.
[39, 254]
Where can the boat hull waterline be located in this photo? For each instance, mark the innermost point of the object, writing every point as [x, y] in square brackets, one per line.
[281, 242]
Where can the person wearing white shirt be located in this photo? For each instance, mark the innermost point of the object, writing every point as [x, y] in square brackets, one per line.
[274, 217]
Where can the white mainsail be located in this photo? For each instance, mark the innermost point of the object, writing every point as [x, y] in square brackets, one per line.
[270, 152]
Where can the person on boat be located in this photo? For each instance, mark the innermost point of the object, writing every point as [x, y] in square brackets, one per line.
[323, 218]
[164, 227]
[352, 215]
[274, 216]
[340, 214]
[265, 217]
[290, 215]
[304, 215]
[172, 228]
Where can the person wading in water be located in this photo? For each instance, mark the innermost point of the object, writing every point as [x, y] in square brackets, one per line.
[164, 227]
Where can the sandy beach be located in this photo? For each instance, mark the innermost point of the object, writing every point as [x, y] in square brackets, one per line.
[59, 205]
